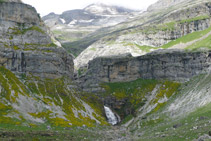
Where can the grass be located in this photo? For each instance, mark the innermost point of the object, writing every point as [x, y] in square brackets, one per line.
[135, 93]
[42, 133]
[203, 17]
[185, 39]
[93, 49]
[143, 48]
[17, 31]
[48, 92]
[205, 43]
[189, 126]
[126, 119]
[69, 36]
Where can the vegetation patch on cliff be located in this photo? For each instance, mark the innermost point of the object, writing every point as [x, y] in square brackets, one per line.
[18, 30]
[184, 39]
[203, 17]
[205, 43]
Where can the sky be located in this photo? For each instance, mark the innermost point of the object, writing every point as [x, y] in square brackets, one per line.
[45, 7]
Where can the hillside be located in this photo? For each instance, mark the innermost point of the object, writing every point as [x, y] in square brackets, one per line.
[149, 32]
[36, 86]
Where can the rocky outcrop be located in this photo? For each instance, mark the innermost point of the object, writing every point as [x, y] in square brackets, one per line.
[19, 13]
[18, 1]
[25, 45]
[46, 63]
[176, 65]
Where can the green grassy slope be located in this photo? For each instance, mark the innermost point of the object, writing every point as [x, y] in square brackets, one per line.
[31, 101]
[185, 39]
[186, 116]
[205, 43]
[137, 94]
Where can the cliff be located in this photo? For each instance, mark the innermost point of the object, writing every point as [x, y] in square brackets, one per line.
[36, 86]
[161, 95]
[25, 45]
[174, 65]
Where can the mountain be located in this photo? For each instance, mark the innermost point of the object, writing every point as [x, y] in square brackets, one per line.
[73, 25]
[154, 71]
[94, 14]
[36, 75]
[103, 9]
[147, 78]
[147, 32]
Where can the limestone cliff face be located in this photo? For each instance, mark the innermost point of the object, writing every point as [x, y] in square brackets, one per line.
[173, 65]
[25, 45]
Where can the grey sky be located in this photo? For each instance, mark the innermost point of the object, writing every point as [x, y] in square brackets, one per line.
[58, 6]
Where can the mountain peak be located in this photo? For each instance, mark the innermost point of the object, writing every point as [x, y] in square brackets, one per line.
[104, 9]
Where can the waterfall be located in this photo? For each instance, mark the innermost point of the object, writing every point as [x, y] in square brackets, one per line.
[112, 119]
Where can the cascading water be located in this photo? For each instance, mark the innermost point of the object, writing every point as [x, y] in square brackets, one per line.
[112, 119]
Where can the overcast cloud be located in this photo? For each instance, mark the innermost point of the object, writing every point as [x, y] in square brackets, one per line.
[44, 7]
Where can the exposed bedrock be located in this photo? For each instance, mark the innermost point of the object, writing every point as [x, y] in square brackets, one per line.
[26, 46]
[54, 64]
[175, 65]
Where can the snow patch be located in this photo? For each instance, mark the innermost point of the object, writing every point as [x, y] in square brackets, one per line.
[73, 22]
[86, 21]
[63, 20]
[58, 27]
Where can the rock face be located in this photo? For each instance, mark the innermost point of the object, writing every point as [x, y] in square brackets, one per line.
[25, 45]
[18, 1]
[173, 65]
[18, 13]
[163, 4]
[53, 64]
[100, 49]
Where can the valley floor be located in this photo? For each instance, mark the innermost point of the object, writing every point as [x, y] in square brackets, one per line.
[195, 126]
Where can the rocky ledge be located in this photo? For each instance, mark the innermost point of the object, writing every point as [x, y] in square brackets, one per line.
[175, 65]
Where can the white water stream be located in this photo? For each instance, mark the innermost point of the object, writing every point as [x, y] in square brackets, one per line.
[112, 119]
